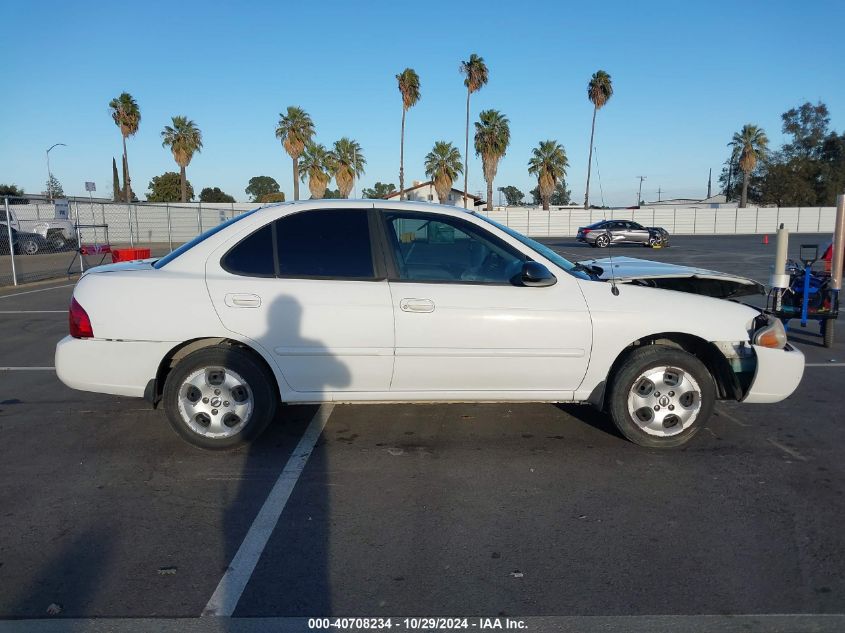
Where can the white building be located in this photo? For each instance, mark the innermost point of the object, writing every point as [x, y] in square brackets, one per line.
[425, 192]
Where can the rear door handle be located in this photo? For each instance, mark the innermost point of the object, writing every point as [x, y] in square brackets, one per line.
[416, 305]
[242, 300]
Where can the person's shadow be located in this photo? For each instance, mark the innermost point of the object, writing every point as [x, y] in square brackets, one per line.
[292, 577]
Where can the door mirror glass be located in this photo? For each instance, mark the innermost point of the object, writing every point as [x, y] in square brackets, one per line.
[536, 275]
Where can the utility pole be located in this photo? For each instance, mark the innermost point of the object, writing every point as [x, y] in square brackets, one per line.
[659, 191]
[709, 181]
[640, 194]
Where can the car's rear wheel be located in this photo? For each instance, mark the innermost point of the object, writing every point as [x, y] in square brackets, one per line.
[603, 241]
[28, 246]
[221, 397]
[661, 396]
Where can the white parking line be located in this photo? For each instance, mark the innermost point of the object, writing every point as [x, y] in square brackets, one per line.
[27, 368]
[225, 598]
[29, 292]
[789, 451]
[824, 364]
[33, 311]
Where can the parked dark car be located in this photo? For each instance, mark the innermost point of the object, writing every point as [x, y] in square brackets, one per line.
[603, 234]
[24, 243]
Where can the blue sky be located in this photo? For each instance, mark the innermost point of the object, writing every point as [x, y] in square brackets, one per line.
[686, 76]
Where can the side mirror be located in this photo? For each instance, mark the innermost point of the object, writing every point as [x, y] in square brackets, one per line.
[536, 275]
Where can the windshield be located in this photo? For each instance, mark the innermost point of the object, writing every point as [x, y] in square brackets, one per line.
[544, 250]
[199, 238]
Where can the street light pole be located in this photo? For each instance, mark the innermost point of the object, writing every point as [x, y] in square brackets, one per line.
[50, 174]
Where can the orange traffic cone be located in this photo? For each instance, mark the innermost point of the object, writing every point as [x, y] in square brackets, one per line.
[765, 239]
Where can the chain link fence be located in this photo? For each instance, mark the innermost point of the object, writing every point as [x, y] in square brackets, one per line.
[41, 240]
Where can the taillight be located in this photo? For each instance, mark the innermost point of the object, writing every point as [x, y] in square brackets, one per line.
[80, 324]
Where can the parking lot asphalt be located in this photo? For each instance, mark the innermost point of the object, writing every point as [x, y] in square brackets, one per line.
[487, 509]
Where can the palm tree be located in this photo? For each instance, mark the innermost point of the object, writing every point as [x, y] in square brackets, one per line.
[348, 161]
[127, 116]
[409, 86]
[317, 164]
[548, 162]
[475, 75]
[492, 137]
[749, 145]
[599, 92]
[442, 165]
[295, 129]
[184, 139]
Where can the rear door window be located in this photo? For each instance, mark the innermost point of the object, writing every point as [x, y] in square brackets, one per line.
[253, 255]
[325, 243]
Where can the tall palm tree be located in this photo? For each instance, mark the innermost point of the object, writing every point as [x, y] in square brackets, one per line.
[295, 129]
[409, 86]
[317, 164]
[548, 162]
[348, 161]
[749, 145]
[492, 137]
[442, 165]
[127, 116]
[475, 75]
[184, 139]
[599, 92]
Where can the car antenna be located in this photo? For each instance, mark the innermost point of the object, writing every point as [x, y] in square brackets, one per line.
[613, 289]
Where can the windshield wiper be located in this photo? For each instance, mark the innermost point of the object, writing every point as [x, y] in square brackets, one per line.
[592, 271]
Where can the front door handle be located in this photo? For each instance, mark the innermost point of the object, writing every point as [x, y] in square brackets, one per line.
[242, 300]
[416, 305]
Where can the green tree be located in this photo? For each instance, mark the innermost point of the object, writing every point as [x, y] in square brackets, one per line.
[317, 165]
[11, 191]
[599, 92]
[184, 139]
[259, 186]
[127, 116]
[409, 88]
[53, 188]
[476, 76]
[168, 188]
[267, 198]
[442, 165]
[348, 161]
[492, 137]
[560, 197]
[808, 126]
[548, 163]
[295, 129]
[378, 191]
[215, 195]
[749, 145]
[513, 196]
[332, 194]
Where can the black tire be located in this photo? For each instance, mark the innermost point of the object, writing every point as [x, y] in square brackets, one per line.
[603, 241]
[28, 246]
[57, 242]
[259, 379]
[629, 372]
[829, 332]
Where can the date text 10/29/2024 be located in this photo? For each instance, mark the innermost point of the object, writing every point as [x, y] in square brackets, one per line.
[417, 624]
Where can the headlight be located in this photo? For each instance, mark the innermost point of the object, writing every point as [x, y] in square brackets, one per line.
[771, 335]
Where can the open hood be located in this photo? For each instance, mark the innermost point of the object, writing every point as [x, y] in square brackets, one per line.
[699, 281]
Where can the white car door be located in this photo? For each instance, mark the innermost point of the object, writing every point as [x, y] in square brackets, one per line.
[318, 301]
[462, 325]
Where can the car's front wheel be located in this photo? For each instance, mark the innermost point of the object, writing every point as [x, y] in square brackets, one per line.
[28, 246]
[661, 396]
[220, 397]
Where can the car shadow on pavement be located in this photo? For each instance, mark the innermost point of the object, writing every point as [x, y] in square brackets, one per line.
[592, 417]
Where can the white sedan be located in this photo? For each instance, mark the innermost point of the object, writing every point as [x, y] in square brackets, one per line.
[370, 301]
